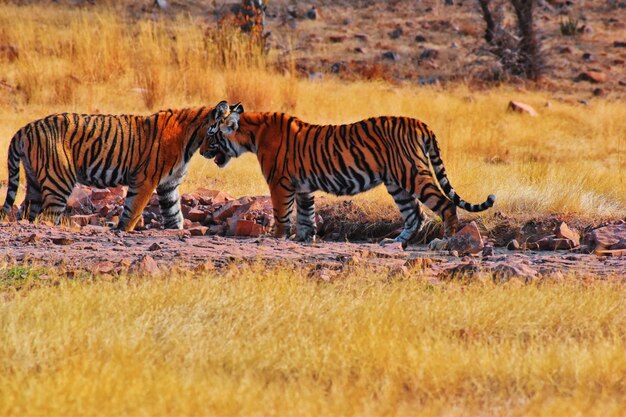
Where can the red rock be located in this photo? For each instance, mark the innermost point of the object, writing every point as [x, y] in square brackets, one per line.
[100, 194]
[119, 191]
[80, 199]
[84, 219]
[611, 252]
[563, 231]
[198, 230]
[513, 245]
[188, 200]
[437, 245]
[217, 229]
[591, 76]
[145, 265]
[520, 107]
[337, 38]
[503, 272]
[62, 240]
[249, 228]
[619, 245]
[606, 237]
[467, 240]
[197, 215]
[103, 267]
[554, 243]
[225, 211]
[209, 197]
[154, 246]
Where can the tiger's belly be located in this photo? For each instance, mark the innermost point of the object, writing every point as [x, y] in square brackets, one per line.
[339, 184]
[102, 178]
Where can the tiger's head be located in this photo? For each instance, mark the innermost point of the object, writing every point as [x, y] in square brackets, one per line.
[218, 146]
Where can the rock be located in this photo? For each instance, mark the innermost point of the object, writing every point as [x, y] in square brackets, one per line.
[154, 246]
[84, 219]
[553, 243]
[591, 76]
[391, 56]
[488, 251]
[513, 245]
[218, 229]
[9, 52]
[428, 53]
[467, 240]
[605, 237]
[210, 197]
[519, 107]
[311, 14]
[464, 270]
[197, 215]
[248, 228]
[565, 50]
[503, 272]
[396, 33]
[587, 57]
[337, 38]
[619, 44]
[619, 245]
[420, 39]
[80, 200]
[100, 194]
[119, 191]
[32, 238]
[437, 245]
[598, 92]
[394, 246]
[225, 211]
[359, 50]
[62, 241]
[146, 265]
[188, 200]
[103, 267]
[198, 230]
[361, 36]
[611, 252]
[419, 263]
[562, 231]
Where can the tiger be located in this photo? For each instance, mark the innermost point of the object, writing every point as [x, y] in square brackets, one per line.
[298, 158]
[142, 152]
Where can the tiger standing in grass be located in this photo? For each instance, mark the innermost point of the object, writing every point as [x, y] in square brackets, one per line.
[142, 152]
[298, 158]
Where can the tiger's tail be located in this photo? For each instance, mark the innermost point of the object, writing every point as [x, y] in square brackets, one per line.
[440, 172]
[13, 162]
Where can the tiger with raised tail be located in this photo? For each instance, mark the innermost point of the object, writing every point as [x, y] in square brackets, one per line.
[142, 152]
[298, 158]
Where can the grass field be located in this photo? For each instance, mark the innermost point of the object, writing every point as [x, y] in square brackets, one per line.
[254, 341]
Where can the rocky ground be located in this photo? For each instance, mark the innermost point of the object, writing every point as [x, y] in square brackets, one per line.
[221, 231]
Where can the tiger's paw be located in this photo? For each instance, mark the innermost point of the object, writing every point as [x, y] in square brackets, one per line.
[388, 241]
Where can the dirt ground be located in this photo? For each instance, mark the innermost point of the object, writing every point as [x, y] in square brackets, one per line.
[101, 251]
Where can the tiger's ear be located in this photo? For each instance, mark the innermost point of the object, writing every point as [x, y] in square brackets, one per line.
[236, 108]
[220, 110]
[230, 124]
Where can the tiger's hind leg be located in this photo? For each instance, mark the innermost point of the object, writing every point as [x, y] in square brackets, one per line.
[305, 219]
[411, 213]
[169, 202]
[54, 201]
[33, 201]
[429, 193]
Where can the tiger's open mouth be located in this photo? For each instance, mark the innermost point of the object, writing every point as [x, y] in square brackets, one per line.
[220, 159]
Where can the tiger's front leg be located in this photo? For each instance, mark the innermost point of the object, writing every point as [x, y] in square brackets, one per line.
[169, 202]
[282, 202]
[306, 228]
[136, 200]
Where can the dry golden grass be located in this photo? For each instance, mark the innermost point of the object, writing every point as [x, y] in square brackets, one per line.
[254, 341]
[569, 160]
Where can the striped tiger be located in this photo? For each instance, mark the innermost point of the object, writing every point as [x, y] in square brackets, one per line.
[298, 158]
[141, 152]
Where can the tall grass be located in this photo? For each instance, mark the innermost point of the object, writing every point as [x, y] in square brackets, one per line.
[570, 159]
[259, 341]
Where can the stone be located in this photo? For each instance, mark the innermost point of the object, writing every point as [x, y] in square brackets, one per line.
[209, 197]
[611, 252]
[217, 229]
[100, 194]
[391, 56]
[605, 237]
[361, 36]
[463, 270]
[396, 33]
[420, 39]
[337, 38]
[154, 246]
[248, 228]
[198, 230]
[563, 231]
[619, 44]
[587, 57]
[513, 245]
[619, 245]
[225, 211]
[80, 200]
[437, 245]
[467, 240]
[146, 265]
[419, 263]
[503, 272]
[119, 191]
[188, 200]
[62, 241]
[554, 243]
[197, 215]
[103, 267]
[84, 219]
[311, 14]
[429, 53]
[592, 77]
[519, 107]
[488, 251]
